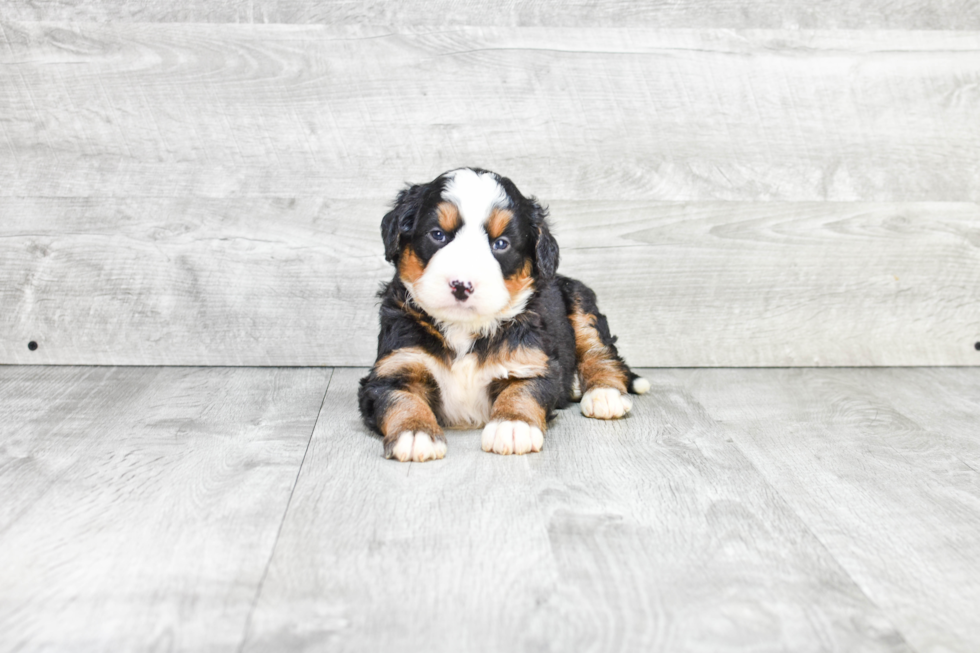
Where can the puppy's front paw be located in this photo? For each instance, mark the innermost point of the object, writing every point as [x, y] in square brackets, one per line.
[605, 403]
[511, 437]
[416, 447]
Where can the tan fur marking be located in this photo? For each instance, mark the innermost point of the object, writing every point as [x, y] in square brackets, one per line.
[516, 403]
[520, 280]
[595, 362]
[497, 222]
[410, 266]
[521, 362]
[407, 359]
[414, 365]
[448, 216]
[408, 412]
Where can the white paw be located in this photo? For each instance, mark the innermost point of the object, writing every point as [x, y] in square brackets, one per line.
[511, 437]
[605, 403]
[641, 386]
[417, 447]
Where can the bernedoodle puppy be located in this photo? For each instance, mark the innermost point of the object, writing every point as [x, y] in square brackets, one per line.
[477, 329]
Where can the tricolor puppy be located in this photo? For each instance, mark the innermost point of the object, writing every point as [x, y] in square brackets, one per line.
[477, 330]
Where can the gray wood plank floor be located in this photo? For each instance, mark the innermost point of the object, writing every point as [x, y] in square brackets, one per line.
[247, 510]
[140, 505]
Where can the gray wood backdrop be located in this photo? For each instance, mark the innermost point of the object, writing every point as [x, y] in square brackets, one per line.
[744, 184]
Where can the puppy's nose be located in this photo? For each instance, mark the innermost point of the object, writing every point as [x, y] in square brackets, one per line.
[461, 289]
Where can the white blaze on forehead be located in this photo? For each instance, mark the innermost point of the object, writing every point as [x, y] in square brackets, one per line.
[475, 195]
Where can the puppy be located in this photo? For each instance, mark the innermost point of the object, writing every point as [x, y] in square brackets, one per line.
[477, 329]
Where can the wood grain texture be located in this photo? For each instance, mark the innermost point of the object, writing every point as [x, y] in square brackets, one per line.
[820, 14]
[140, 505]
[216, 282]
[772, 284]
[600, 113]
[944, 423]
[651, 533]
[292, 282]
[875, 463]
[733, 510]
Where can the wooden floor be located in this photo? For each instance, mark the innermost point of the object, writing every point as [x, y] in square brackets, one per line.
[246, 509]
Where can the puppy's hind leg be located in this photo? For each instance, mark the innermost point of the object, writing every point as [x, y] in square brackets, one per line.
[606, 379]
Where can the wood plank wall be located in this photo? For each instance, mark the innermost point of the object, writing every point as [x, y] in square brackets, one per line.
[744, 184]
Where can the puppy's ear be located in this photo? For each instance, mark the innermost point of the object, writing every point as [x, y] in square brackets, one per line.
[400, 220]
[546, 254]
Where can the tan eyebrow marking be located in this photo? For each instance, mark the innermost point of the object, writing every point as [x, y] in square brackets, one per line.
[449, 218]
[497, 222]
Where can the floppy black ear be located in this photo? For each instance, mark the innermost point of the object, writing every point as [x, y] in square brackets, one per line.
[401, 220]
[546, 254]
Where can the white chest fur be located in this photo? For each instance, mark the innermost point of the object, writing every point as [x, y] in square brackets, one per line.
[464, 388]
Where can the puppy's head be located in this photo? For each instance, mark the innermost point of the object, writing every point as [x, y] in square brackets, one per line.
[469, 246]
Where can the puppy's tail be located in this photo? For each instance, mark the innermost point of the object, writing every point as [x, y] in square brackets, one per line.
[638, 385]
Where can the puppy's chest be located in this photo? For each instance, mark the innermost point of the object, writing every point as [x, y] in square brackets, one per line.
[465, 391]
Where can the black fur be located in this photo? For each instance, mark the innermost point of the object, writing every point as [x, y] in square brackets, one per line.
[399, 223]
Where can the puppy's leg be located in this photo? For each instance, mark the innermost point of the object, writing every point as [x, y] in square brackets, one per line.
[411, 432]
[517, 420]
[397, 400]
[605, 377]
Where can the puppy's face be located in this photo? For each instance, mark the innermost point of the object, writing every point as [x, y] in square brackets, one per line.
[469, 247]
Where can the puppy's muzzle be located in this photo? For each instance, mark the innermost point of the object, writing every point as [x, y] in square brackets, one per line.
[461, 289]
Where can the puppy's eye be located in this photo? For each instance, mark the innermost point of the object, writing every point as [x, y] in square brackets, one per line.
[438, 235]
[501, 245]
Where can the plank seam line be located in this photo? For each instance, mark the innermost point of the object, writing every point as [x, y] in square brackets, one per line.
[282, 522]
